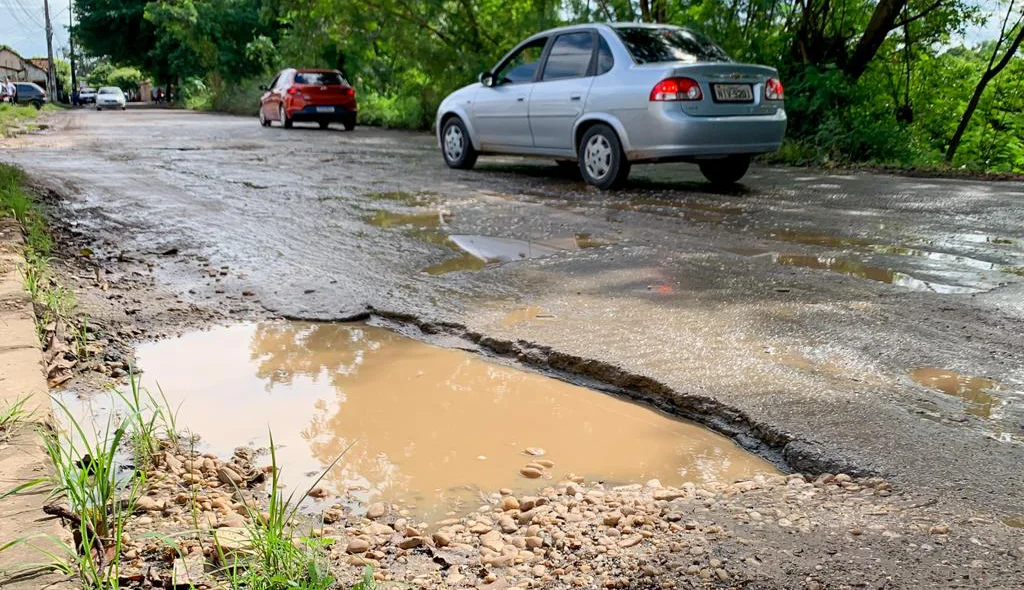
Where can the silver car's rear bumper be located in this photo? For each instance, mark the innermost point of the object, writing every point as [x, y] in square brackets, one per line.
[666, 134]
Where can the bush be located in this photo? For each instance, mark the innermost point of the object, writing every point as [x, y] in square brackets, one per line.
[241, 98]
[399, 112]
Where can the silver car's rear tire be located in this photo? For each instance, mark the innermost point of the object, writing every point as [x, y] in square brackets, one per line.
[456, 147]
[601, 160]
[725, 171]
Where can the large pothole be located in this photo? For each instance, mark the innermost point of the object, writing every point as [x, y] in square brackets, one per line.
[429, 428]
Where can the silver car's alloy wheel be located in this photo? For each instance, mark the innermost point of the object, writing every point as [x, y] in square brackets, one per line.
[454, 143]
[597, 157]
[280, 113]
[263, 117]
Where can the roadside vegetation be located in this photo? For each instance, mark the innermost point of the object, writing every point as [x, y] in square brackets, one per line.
[54, 304]
[14, 116]
[886, 82]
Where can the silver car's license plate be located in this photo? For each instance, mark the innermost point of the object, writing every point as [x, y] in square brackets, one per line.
[733, 93]
[325, 109]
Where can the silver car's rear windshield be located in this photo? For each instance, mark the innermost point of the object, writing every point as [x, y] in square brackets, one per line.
[664, 44]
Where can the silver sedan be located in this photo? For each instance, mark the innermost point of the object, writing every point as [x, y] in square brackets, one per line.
[606, 96]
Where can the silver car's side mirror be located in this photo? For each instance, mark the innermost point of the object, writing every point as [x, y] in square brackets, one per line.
[487, 79]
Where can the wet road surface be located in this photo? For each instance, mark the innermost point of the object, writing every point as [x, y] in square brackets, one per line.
[836, 321]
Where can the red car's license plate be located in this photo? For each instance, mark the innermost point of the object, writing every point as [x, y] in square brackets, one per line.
[733, 93]
[325, 109]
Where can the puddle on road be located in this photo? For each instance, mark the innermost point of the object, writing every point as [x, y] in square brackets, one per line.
[432, 428]
[855, 268]
[479, 251]
[404, 198]
[692, 210]
[465, 262]
[816, 239]
[390, 219]
[974, 391]
[527, 315]
[840, 265]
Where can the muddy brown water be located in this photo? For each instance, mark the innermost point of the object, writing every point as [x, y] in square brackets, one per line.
[974, 391]
[431, 428]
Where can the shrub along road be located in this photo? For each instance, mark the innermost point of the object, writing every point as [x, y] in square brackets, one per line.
[830, 321]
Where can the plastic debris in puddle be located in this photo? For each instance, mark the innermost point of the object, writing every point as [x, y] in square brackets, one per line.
[974, 391]
[434, 428]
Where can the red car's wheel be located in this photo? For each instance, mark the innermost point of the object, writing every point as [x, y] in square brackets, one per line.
[283, 117]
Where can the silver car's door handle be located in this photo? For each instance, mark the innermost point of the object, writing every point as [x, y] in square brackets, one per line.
[575, 97]
[521, 99]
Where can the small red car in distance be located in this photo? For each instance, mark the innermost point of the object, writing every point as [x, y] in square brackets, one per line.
[316, 96]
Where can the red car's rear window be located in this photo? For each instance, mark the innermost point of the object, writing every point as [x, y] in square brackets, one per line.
[319, 78]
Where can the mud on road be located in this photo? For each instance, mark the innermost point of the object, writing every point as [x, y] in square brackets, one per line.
[830, 322]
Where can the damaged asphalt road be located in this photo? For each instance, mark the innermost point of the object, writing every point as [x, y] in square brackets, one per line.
[793, 312]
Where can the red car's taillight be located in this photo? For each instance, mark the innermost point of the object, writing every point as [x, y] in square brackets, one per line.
[677, 89]
[349, 91]
[773, 89]
[293, 91]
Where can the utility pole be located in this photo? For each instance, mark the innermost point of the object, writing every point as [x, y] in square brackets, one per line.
[71, 42]
[51, 83]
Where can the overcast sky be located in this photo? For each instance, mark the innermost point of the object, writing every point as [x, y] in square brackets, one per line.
[21, 26]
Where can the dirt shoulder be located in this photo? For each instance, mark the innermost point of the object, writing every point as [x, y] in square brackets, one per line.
[23, 390]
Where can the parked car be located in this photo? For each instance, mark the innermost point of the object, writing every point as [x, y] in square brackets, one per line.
[608, 96]
[29, 93]
[111, 97]
[317, 96]
[87, 95]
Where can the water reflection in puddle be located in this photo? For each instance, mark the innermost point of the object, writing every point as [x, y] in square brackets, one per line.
[388, 219]
[855, 268]
[975, 391]
[478, 251]
[432, 427]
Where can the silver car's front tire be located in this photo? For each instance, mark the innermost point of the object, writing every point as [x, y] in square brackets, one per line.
[456, 147]
[601, 160]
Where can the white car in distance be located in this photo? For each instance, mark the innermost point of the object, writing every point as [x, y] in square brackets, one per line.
[110, 97]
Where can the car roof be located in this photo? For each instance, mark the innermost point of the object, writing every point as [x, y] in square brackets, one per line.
[606, 25]
[316, 71]
[109, 88]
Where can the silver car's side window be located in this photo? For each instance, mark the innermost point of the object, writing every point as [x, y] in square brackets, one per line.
[570, 56]
[522, 66]
[605, 60]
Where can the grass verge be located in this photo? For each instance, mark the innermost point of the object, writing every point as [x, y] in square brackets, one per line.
[56, 302]
[13, 116]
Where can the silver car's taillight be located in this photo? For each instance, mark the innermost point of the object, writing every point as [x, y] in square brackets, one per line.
[671, 89]
[773, 89]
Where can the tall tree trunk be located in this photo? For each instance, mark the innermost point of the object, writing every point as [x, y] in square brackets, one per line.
[883, 20]
[987, 77]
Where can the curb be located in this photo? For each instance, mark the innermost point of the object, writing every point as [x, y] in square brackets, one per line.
[22, 457]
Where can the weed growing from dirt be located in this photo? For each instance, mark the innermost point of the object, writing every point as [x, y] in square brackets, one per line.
[281, 558]
[92, 492]
[11, 416]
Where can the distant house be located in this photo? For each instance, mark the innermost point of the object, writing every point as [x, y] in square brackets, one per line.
[37, 68]
[15, 67]
[12, 65]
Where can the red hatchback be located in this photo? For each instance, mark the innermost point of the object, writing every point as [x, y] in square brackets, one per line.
[318, 96]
